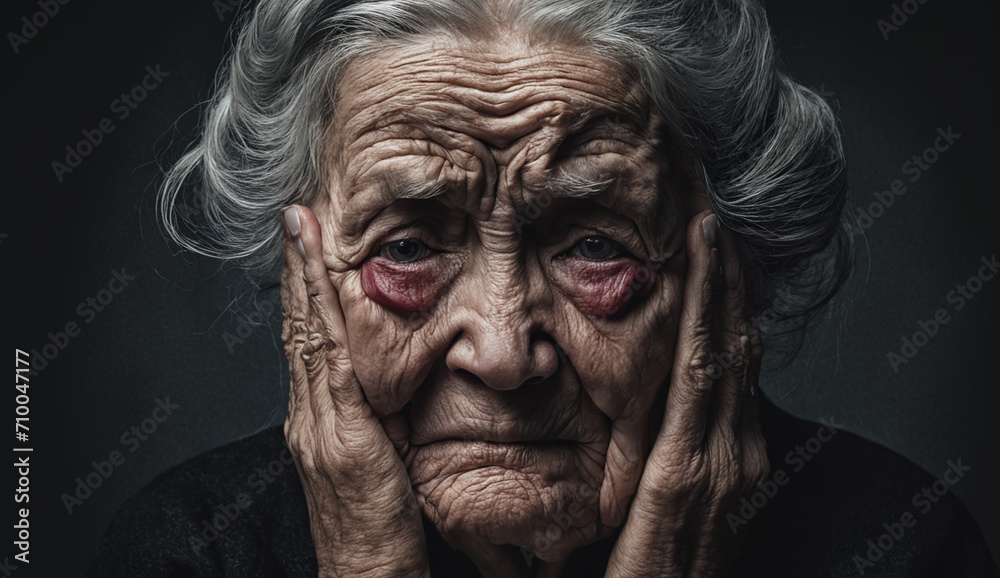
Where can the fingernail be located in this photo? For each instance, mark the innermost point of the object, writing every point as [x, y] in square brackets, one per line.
[710, 228]
[294, 228]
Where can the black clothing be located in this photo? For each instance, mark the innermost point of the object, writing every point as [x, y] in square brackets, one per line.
[844, 506]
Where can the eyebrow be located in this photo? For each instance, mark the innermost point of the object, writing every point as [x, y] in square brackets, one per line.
[572, 185]
[408, 189]
[561, 185]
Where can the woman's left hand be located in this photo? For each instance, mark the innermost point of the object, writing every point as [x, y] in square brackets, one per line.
[710, 450]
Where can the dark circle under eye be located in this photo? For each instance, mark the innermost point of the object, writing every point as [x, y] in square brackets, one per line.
[597, 248]
[406, 251]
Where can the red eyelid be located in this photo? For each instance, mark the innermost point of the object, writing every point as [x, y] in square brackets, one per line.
[404, 288]
[605, 288]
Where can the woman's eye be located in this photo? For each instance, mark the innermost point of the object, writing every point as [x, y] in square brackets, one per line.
[596, 249]
[406, 251]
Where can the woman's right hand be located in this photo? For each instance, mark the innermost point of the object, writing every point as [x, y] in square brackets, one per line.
[363, 513]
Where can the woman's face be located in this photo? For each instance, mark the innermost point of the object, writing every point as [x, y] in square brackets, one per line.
[505, 228]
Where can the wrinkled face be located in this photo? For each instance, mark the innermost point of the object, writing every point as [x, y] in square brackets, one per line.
[505, 231]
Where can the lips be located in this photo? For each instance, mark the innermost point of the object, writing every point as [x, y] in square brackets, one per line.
[467, 435]
[436, 423]
[441, 459]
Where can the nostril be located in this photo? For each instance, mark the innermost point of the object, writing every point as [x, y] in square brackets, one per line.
[467, 374]
[501, 360]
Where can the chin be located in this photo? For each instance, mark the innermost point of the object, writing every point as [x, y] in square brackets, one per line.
[543, 496]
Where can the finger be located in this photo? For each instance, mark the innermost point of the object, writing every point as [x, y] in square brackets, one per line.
[294, 333]
[397, 428]
[734, 293]
[750, 412]
[323, 298]
[730, 333]
[622, 470]
[693, 372]
[328, 365]
[493, 560]
[300, 421]
[748, 429]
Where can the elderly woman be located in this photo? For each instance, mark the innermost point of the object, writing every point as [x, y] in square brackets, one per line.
[527, 246]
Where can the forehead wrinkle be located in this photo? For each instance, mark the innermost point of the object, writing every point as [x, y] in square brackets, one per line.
[458, 59]
[456, 68]
[499, 120]
[480, 93]
[485, 82]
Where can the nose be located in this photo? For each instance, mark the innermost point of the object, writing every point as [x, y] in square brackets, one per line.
[501, 336]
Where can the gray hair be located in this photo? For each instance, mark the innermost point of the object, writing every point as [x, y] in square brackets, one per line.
[770, 149]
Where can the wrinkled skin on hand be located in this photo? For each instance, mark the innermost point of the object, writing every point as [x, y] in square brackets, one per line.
[491, 304]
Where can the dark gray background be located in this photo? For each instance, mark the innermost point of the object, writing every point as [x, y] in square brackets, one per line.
[165, 334]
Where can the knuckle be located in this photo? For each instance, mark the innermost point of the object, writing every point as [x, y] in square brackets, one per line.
[294, 437]
[679, 485]
[315, 351]
[305, 452]
[314, 273]
[702, 368]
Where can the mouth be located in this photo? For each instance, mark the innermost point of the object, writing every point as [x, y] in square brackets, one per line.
[501, 429]
[508, 437]
[458, 426]
[456, 456]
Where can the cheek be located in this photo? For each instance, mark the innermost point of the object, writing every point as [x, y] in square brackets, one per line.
[604, 288]
[402, 288]
[622, 363]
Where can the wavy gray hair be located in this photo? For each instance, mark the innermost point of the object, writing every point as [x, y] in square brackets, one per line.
[769, 148]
